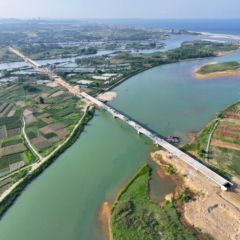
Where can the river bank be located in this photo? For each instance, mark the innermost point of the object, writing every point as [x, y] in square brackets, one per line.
[210, 209]
[8, 197]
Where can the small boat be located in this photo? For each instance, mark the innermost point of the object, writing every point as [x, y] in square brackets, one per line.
[172, 139]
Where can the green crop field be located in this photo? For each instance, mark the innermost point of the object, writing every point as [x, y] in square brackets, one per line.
[18, 148]
[219, 67]
[135, 217]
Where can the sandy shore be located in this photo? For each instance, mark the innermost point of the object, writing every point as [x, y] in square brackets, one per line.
[107, 96]
[214, 211]
[104, 217]
[228, 36]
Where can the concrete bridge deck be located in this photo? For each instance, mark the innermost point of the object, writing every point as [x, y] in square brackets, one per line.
[223, 183]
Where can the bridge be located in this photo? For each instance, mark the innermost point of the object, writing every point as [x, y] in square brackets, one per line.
[223, 183]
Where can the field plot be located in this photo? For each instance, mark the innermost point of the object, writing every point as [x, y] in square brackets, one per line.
[30, 119]
[37, 139]
[224, 150]
[18, 148]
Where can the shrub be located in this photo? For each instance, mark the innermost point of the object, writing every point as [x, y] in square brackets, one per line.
[183, 197]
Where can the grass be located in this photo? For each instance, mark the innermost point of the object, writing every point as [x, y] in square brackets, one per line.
[219, 67]
[135, 217]
[30, 158]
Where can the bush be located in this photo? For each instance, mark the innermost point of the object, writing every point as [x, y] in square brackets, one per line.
[183, 197]
[170, 170]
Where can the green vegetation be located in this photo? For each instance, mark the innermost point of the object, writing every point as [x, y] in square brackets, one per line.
[219, 67]
[9, 199]
[189, 147]
[170, 170]
[43, 51]
[183, 197]
[207, 236]
[134, 216]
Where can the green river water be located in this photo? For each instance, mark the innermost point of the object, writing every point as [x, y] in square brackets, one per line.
[63, 202]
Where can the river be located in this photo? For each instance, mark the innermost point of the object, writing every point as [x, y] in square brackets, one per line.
[63, 202]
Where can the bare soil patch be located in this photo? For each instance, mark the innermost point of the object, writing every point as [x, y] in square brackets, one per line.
[222, 144]
[56, 94]
[61, 133]
[45, 130]
[231, 113]
[53, 84]
[30, 118]
[44, 95]
[56, 126]
[43, 105]
[19, 103]
[11, 113]
[27, 112]
[37, 139]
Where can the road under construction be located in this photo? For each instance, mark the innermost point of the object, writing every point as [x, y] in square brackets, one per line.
[220, 181]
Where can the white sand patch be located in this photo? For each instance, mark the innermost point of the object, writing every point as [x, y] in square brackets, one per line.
[213, 35]
[107, 96]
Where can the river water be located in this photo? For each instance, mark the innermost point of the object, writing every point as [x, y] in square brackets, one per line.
[63, 202]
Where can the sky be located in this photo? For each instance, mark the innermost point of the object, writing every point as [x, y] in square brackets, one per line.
[120, 9]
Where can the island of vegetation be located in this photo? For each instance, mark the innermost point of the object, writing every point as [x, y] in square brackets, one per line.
[215, 69]
[135, 217]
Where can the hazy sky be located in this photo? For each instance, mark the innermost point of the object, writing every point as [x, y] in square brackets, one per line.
[120, 8]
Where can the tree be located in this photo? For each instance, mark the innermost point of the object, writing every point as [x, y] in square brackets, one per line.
[41, 100]
[4, 73]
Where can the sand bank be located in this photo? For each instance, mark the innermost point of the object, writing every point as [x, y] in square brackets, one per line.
[214, 211]
[228, 36]
[104, 217]
[107, 96]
